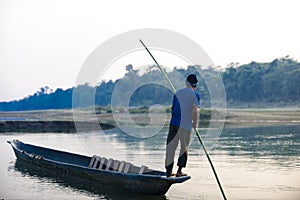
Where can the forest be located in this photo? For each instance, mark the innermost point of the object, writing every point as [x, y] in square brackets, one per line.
[252, 85]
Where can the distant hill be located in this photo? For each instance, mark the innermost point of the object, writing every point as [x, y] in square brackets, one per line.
[253, 85]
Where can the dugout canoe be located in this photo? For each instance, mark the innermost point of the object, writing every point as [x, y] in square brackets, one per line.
[115, 173]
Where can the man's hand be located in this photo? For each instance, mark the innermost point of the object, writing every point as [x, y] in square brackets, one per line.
[195, 117]
[194, 125]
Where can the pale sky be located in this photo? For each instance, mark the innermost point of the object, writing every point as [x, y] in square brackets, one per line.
[45, 42]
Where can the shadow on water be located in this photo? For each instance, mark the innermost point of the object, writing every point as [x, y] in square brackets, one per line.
[91, 188]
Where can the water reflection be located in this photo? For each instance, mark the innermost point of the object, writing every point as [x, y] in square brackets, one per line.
[272, 141]
[257, 160]
[88, 187]
[281, 144]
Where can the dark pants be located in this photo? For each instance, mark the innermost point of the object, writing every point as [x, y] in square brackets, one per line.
[175, 135]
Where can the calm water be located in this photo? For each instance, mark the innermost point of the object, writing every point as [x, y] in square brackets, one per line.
[252, 163]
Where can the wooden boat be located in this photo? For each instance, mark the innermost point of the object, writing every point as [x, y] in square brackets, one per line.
[139, 179]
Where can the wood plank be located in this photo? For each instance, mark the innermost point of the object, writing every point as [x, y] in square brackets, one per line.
[121, 167]
[109, 163]
[116, 165]
[142, 169]
[96, 162]
[102, 163]
[92, 161]
[127, 167]
[134, 169]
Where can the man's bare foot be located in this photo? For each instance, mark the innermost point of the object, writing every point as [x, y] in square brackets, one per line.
[179, 174]
[170, 174]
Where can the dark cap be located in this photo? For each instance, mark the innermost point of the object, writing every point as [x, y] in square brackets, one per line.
[192, 79]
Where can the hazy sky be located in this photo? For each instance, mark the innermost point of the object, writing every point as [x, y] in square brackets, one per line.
[46, 42]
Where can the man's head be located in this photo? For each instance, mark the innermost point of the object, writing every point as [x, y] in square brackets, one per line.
[191, 80]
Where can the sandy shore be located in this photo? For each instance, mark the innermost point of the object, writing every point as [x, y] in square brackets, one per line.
[63, 120]
[250, 118]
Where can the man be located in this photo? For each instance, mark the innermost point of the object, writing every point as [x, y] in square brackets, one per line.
[184, 116]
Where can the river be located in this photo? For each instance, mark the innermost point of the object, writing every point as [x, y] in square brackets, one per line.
[252, 163]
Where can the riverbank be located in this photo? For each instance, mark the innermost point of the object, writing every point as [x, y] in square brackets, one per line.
[63, 120]
[49, 126]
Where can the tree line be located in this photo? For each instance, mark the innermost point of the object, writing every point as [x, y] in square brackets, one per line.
[276, 83]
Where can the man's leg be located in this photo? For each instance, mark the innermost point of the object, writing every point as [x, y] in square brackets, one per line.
[172, 143]
[184, 137]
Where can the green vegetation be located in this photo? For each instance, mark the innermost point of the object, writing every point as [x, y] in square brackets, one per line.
[274, 84]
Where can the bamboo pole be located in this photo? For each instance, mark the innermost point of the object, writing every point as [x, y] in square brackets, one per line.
[197, 133]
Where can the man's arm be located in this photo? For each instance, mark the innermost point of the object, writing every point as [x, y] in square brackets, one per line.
[195, 116]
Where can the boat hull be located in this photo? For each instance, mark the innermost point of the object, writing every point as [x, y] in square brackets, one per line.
[154, 183]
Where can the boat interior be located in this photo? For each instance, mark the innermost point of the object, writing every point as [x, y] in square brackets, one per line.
[94, 162]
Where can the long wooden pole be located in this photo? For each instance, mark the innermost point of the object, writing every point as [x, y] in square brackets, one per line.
[197, 133]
